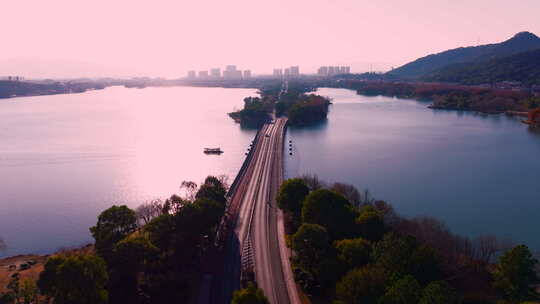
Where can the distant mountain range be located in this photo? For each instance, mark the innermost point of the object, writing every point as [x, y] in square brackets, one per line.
[522, 67]
[479, 64]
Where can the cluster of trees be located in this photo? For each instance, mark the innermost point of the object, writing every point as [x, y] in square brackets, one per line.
[154, 254]
[249, 295]
[488, 101]
[255, 113]
[301, 108]
[448, 96]
[351, 248]
[295, 91]
[308, 109]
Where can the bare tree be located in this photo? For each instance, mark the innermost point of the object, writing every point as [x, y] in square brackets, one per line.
[3, 245]
[174, 204]
[434, 233]
[224, 179]
[366, 198]
[313, 182]
[149, 210]
[189, 189]
[349, 192]
[485, 247]
[388, 213]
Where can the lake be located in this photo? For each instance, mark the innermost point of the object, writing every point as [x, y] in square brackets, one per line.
[478, 173]
[66, 158]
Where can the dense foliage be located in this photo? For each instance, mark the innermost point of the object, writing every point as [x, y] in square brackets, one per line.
[308, 109]
[249, 295]
[255, 113]
[154, 255]
[516, 275]
[521, 42]
[522, 67]
[75, 280]
[363, 252]
[283, 98]
[291, 195]
[448, 96]
[113, 225]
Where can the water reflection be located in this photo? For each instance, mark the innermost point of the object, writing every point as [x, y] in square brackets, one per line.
[478, 172]
[65, 158]
[533, 130]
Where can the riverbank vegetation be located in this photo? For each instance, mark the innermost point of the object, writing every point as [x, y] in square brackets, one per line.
[447, 96]
[21, 88]
[154, 254]
[350, 248]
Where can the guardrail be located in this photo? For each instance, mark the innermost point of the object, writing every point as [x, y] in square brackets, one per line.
[228, 220]
[243, 168]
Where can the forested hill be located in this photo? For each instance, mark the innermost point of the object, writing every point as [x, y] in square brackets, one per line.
[521, 42]
[522, 67]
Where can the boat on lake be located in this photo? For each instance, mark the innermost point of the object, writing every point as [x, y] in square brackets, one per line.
[213, 151]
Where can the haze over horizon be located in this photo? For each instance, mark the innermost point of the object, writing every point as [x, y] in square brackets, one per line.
[63, 38]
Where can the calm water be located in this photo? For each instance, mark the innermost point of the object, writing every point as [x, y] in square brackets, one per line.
[479, 173]
[65, 158]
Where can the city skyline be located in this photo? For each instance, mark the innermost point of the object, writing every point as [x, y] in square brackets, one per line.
[231, 72]
[69, 42]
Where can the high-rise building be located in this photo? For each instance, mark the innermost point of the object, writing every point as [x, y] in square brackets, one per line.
[295, 71]
[287, 72]
[191, 74]
[344, 70]
[247, 74]
[203, 74]
[215, 73]
[323, 71]
[278, 73]
[232, 73]
[331, 71]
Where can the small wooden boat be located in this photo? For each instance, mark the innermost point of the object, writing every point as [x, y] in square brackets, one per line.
[213, 151]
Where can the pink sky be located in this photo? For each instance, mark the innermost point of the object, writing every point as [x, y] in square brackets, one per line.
[73, 38]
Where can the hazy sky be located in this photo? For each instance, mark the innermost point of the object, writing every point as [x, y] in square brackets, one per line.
[72, 38]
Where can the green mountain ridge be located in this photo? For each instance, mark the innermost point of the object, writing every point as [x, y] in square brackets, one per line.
[523, 67]
[521, 42]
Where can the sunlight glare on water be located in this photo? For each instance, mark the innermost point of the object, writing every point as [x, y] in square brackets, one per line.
[65, 158]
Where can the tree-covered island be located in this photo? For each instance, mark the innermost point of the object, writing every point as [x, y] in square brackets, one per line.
[289, 99]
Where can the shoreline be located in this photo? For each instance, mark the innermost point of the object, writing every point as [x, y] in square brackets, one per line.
[29, 266]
